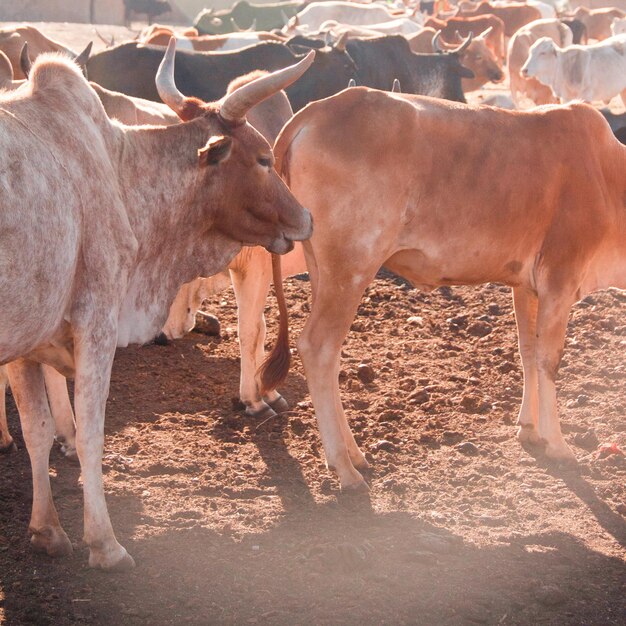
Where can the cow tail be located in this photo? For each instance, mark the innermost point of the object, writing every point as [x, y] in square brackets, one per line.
[275, 367]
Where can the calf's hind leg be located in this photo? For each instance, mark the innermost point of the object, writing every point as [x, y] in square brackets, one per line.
[27, 383]
[61, 407]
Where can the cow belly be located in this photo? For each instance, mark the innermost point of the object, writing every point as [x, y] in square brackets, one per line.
[427, 271]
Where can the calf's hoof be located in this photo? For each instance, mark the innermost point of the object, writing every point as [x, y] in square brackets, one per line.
[51, 540]
[114, 560]
[527, 434]
[263, 412]
[10, 447]
[279, 405]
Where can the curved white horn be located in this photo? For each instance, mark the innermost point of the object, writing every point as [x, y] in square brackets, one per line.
[239, 102]
[395, 88]
[165, 84]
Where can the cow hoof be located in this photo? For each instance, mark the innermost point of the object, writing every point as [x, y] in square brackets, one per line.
[561, 453]
[279, 405]
[527, 434]
[9, 448]
[360, 462]
[69, 452]
[264, 412]
[117, 560]
[355, 489]
[51, 540]
[161, 340]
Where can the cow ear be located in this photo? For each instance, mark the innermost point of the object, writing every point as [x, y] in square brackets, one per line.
[216, 150]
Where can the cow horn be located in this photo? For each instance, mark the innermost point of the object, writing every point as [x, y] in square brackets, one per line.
[165, 84]
[25, 62]
[108, 44]
[352, 83]
[396, 86]
[239, 102]
[252, 28]
[435, 43]
[83, 57]
[464, 45]
[485, 33]
[235, 26]
[340, 44]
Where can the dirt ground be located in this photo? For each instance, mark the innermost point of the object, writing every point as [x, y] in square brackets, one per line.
[237, 520]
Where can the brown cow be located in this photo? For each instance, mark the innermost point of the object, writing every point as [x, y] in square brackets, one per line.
[479, 24]
[598, 21]
[12, 41]
[514, 15]
[104, 235]
[546, 218]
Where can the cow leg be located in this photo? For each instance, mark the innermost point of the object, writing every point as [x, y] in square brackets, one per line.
[6, 441]
[29, 392]
[94, 360]
[553, 313]
[62, 411]
[251, 288]
[525, 303]
[336, 299]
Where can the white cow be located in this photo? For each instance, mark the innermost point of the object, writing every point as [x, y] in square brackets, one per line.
[402, 26]
[108, 223]
[315, 14]
[591, 73]
[249, 271]
[518, 49]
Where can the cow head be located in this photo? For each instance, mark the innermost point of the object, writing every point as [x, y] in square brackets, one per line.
[479, 58]
[542, 60]
[250, 203]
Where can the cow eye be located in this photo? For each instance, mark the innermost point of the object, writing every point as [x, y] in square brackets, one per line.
[265, 162]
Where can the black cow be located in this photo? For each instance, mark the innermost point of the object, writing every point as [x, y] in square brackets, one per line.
[243, 14]
[131, 68]
[377, 62]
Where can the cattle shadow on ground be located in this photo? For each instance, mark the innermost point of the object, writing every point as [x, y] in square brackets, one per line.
[319, 565]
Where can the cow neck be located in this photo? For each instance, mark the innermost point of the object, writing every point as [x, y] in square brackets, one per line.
[159, 167]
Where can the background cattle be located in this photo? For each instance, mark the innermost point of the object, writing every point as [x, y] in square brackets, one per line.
[519, 48]
[245, 14]
[591, 73]
[514, 15]
[12, 41]
[597, 21]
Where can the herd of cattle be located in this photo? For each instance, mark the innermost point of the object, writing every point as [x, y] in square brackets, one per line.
[156, 185]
